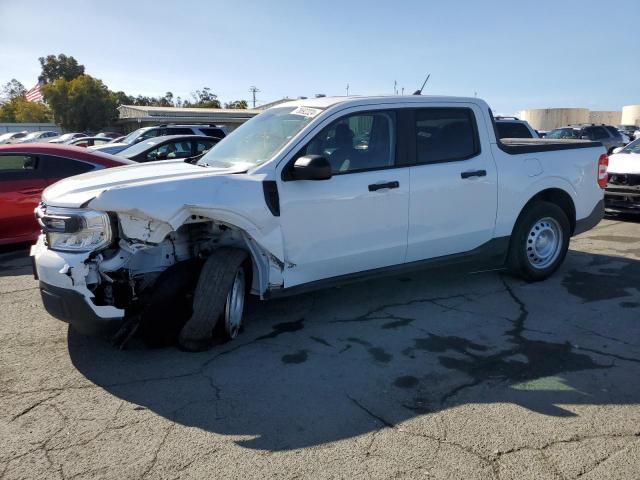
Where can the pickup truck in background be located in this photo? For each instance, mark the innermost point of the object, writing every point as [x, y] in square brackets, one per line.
[305, 195]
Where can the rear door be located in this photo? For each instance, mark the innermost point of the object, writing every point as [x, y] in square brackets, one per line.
[21, 185]
[453, 198]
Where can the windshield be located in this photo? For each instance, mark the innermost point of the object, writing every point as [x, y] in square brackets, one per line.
[563, 133]
[633, 147]
[257, 140]
[131, 137]
[134, 150]
[5, 136]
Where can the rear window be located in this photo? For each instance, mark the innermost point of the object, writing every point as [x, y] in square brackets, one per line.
[613, 131]
[513, 130]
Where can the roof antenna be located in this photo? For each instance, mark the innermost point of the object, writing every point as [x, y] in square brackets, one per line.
[419, 92]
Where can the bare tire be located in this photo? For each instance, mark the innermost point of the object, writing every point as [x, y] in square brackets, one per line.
[539, 242]
[218, 299]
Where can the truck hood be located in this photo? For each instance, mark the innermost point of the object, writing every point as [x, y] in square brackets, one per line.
[624, 163]
[78, 190]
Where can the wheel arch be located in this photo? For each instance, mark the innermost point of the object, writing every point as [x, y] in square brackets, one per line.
[554, 195]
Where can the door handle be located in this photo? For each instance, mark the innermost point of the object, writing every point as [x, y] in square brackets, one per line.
[379, 186]
[474, 173]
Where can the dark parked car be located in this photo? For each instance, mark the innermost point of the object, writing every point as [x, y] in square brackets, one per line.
[26, 170]
[609, 136]
[169, 147]
[513, 127]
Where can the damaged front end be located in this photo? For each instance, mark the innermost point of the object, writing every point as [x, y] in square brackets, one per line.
[97, 269]
[622, 193]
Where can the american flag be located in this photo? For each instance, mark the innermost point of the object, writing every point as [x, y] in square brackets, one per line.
[35, 95]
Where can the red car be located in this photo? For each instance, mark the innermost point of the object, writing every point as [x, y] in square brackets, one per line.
[26, 170]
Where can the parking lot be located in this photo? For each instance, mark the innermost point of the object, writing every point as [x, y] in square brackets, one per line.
[431, 375]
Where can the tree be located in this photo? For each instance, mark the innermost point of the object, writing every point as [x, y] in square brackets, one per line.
[83, 103]
[13, 89]
[61, 66]
[237, 104]
[31, 112]
[203, 99]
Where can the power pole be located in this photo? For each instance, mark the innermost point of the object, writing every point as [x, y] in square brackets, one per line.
[254, 90]
[347, 89]
[395, 87]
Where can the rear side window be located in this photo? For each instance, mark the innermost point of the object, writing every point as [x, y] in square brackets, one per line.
[154, 132]
[179, 131]
[597, 133]
[513, 130]
[59, 167]
[17, 163]
[613, 131]
[445, 135]
[213, 132]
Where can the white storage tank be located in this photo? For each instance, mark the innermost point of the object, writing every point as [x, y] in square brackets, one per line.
[608, 118]
[550, 118]
[631, 115]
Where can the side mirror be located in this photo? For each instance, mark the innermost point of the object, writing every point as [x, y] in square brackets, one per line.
[311, 167]
[617, 150]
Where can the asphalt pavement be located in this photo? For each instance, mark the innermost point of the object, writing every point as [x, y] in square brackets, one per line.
[429, 375]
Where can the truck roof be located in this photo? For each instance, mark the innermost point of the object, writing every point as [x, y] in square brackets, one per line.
[326, 102]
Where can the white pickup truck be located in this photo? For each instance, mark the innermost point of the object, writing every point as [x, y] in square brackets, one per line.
[306, 195]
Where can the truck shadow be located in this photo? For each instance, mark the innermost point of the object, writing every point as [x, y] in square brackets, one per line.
[344, 362]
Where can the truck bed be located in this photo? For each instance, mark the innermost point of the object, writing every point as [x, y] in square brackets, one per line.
[515, 146]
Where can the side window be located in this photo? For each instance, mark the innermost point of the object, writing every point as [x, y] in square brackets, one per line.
[203, 145]
[357, 142]
[169, 151]
[17, 163]
[445, 135]
[213, 132]
[599, 133]
[179, 131]
[58, 167]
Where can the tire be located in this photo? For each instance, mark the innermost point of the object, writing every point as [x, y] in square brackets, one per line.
[218, 278]
[169, 304]
[539, 242]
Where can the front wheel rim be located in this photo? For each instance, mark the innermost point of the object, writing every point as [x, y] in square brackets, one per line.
[543, 243]
[235, 305]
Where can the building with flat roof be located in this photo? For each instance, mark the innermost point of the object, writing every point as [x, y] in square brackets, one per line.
[136, 116]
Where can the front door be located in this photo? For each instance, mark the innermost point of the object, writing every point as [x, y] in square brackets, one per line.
[21, 185]
[358, 219]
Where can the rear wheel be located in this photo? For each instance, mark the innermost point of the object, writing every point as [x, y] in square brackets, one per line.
[539, 242]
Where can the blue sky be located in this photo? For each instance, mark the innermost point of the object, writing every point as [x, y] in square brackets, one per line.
[514, 54]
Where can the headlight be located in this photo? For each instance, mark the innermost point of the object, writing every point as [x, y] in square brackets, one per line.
[75, 229]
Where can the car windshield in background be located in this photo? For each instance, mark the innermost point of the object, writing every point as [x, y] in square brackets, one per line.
[131, 137]
[257, 140]
[633, 147]
[563, 133]
[134, 150]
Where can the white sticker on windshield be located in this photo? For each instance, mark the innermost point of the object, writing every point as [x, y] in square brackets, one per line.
[306, 111]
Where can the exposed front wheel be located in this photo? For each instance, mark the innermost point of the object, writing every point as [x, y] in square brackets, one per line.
[540, 242]
[218, 301]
